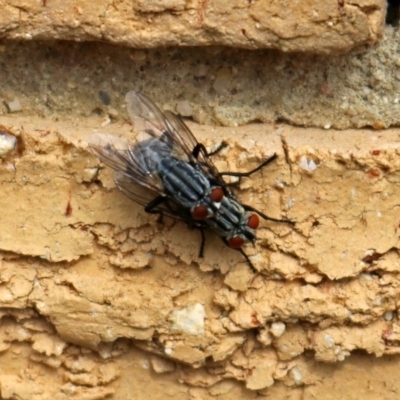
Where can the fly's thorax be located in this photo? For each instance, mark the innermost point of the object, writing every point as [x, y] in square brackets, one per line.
[245, 232]
[209, 204]
[233, 223]
[183, 182]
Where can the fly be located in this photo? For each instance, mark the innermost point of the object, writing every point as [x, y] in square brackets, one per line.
[167, 171]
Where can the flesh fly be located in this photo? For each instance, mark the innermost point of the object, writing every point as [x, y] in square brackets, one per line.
[165, 169]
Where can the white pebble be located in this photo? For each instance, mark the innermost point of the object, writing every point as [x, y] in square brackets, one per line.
[90, 174]
[277, 329]
[190, 319]
[296, 375]
[388, 316]
[312, 166]
[106, 121]
[366, 276]
[10, 167]
[308, 165]
[369, 252]
[329, 341]
[168, 351]
[8, 143]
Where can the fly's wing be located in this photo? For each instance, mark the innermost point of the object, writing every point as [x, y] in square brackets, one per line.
[187, 137]
[122, 156]
[167, 127]
[158, 136]
[133, 175]
[148, 119]
[137, 193]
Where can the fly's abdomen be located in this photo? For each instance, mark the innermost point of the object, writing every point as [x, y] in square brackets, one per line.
[148, 155]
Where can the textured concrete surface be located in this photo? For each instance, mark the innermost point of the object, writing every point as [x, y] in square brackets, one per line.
[100, 300]
[306, 26]
[211, 85]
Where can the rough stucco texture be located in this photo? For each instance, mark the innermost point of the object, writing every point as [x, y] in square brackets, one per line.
[81, 265]
[305, 26]
[214, 86]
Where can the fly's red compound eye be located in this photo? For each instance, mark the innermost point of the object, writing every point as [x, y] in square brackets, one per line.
[236, 242]
[253, 221]
[217, 194]
[200, 212]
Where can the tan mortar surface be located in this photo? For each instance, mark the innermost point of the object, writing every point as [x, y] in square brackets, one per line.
[88, 278]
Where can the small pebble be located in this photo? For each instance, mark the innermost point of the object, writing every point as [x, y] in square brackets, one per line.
[184, 108]
[14, 106]
[222, 80]
[104, 97]
[277, 329]
[388, 316]
[201, 71]
[8, 143]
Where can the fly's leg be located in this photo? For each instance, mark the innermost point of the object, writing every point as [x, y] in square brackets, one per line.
[249, 173]
[203, 241]
[159, 200]
[250, 208]
[200, 147]
[246, 257]
[153, 204]
[199, 225]
[221, 146]
[248, 260]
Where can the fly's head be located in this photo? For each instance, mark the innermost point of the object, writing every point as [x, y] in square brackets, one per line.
[244, 232]
[232, 222]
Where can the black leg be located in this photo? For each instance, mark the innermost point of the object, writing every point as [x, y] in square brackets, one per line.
[154, 203]
[203, 241]
[247, 174]
[250, 208]
[200, 147]
[248, 260]
[221, 146]
[240, 250]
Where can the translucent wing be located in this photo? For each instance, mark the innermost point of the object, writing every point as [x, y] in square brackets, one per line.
[147, 118]
[135, 165]
[169, 128]
[142, 196]
[185, 134]
[137, 161]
